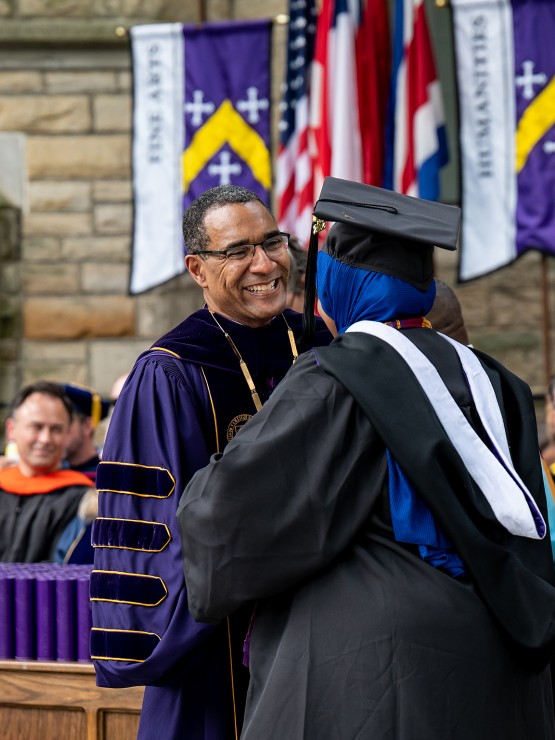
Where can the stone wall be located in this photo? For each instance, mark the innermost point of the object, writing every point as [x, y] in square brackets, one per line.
[65, 229]
[65, 89]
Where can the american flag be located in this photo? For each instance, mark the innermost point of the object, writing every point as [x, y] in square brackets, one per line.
[417, 145]
[295, 184]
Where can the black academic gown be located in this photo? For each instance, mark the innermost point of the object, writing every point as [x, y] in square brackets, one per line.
[354, 635]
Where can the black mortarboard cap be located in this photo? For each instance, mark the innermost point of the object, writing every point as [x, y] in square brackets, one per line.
[87, 402]
[379, 230]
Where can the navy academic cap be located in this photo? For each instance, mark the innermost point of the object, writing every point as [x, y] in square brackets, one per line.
[379, 230]
[87, 402]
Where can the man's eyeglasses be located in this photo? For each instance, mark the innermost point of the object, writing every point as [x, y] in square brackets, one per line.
[273, 247]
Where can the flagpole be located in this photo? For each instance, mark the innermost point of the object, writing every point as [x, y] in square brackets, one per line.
[546, 319]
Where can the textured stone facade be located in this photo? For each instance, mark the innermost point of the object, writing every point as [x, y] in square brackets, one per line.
[65, 313]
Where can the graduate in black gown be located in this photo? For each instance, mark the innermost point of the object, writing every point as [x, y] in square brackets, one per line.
[384, 513]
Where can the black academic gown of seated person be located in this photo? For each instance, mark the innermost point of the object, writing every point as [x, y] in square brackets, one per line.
[355, 636]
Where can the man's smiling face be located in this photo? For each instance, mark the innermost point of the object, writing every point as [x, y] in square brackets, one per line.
[252, 291]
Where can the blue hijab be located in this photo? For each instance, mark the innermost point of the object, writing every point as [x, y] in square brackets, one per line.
[350, 294]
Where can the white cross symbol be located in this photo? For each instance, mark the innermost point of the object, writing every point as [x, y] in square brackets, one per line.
[528, 79]
[549, 147]
[252, 104]
[197, 107]
[225, 168]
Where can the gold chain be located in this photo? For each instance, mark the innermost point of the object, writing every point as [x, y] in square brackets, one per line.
[243, 365]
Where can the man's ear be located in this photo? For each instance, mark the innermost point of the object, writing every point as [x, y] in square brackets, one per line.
[10, 422]
[196, 268]
[88, 426]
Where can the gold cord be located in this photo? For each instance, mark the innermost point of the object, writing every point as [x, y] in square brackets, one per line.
[243, 365]
[292, 341]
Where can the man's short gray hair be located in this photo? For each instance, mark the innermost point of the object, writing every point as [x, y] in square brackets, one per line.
[194, 231]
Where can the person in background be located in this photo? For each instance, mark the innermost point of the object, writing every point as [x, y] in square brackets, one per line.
[37, 497]
[185, 398]
[82, 454]
[385, 511]
[115, 390]
[295, 285]
[89, 409]
[548, 448]
[446, 313]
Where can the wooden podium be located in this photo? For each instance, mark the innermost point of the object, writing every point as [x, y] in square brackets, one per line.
[60, 701]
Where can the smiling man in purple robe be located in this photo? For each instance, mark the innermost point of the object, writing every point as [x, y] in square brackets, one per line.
[186, 397]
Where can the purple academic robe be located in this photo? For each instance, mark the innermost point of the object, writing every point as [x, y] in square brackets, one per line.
[184, 400]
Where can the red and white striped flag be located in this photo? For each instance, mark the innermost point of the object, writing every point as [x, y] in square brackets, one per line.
[349, 90]
[295, 184]
[417, 145]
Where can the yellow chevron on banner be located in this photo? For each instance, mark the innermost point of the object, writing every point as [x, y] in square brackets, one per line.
[227, 126]
[534, 123]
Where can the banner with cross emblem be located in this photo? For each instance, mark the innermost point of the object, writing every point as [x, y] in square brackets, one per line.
[201, 118]
[506, 81]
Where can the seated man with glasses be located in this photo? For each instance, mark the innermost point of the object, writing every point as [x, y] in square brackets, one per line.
[184, 400]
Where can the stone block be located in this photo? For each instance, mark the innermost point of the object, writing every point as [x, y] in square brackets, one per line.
[10, 279]
[163, 10]
[54, 8]
[41, 248]
[50, 278]
[79, 157]
[110, 359]
[78, 317]
[15, 81]
[113, 219]
[5, 8]
[85, 81]
[503, 302]
[57, 224]
[75, 352]
[45, 114]
[112, 191]
[56, 372]
[125, 82]
[10, 316]
[98, 248]
[9, 350]
[258, 8]
[9, 384]
[106, 7]
[13, 170]
[158, 313]
[52, 195]
[105, 278]
[10, 234]
[112, 113]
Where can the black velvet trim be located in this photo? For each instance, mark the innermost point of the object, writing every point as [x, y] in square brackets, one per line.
[136, 480]
[128, 645]
[130, 534]
[127, 588]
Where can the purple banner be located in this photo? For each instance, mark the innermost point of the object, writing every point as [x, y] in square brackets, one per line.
[25, 616]
[227, 107]
[46, 617]
[66, 620]
[7, 621]
[534, 52]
